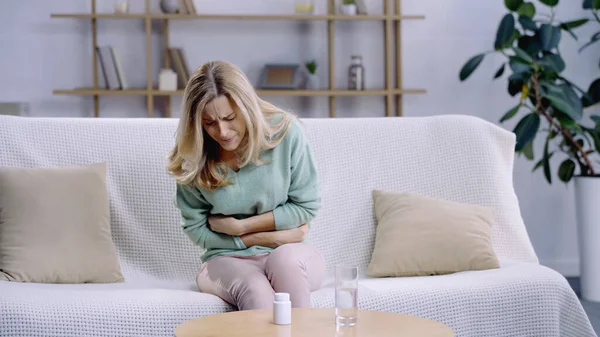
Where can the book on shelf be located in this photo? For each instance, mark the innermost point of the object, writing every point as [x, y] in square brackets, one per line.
[187, 7]
[179, 65]
[110, 68]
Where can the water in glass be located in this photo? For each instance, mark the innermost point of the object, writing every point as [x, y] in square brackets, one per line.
[346, 295]
[346, 306]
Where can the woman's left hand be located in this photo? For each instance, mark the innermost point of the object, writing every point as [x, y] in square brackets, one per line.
[226, 225]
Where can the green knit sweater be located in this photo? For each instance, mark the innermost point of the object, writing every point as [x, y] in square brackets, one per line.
[287, 185]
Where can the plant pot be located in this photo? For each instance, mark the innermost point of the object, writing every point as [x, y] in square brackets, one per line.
[348, 9]
[312, 81]
[587, 195]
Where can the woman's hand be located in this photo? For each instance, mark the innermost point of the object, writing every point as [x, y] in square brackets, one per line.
[226, 225]
[275, 239]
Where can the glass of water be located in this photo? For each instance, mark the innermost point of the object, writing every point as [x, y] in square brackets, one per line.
[346, 291]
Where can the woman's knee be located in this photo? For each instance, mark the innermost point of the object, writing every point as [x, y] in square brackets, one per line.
[253, 292]
[239, 283]
[286, 256]
[296, 260]
[293, 255]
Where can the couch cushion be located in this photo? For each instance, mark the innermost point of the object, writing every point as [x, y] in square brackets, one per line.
[420, 235]
[55, 225]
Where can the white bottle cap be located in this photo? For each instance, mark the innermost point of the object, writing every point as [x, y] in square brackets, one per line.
[281, 297]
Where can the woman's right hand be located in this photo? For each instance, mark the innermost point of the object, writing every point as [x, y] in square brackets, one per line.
[275, 239]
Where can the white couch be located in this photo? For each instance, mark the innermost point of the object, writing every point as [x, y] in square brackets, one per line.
[459, 158]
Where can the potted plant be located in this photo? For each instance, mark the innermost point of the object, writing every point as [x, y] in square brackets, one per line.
[312, 80]
[552, 106]
[348, 7]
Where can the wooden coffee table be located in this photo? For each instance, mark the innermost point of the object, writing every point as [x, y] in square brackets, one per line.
[313, 322]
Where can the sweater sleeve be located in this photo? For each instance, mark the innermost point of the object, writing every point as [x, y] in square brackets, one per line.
[194, 222]
[303, 195]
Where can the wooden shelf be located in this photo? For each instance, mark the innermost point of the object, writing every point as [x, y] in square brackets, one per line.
[339, 92]
[236, 16]
[391, 90]
[101, 92]
[98, 16]
[323, 92]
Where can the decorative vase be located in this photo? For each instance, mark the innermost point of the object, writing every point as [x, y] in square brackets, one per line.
[587, 194]
[169, 6]
[312, 81]
[356, 74]
[348, 9]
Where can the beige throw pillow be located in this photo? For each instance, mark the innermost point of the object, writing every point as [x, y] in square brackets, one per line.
[55, 226]
[420, 235]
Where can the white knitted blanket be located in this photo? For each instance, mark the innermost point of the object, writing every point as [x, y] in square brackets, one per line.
[458, 158]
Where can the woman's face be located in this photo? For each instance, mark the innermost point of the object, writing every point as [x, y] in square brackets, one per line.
[223, 123]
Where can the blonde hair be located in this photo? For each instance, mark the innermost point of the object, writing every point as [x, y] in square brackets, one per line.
[194, 160]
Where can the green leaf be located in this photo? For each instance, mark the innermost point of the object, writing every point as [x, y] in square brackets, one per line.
[527, 9]
[574, 101]
[593, 94]
[596, 4]
[531, 45]
[526, 130]
[505, 32]
[546, 160]
[549, 36]
[513, 5]
[550, 3]
[519, 65]
[564, 99]
[575, 24]
[470, 66]
[585, 95]
[527, 23]
[587, 4]
[553, 62]
[514, 86]
[568, 30]
[566, 121]
[593, 40]
[500, 71]
[528, 151]
[569, 26]
[546, 35]
[566, 170]
[520, 53]
[510, 113]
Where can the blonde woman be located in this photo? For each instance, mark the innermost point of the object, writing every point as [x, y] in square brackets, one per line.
[247, 189]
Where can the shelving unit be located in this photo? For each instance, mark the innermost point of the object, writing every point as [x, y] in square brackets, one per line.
[392, 28]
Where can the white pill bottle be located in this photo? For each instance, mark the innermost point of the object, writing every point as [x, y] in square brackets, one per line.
[282, 309]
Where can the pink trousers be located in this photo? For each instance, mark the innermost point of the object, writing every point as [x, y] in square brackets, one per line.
[251, 282]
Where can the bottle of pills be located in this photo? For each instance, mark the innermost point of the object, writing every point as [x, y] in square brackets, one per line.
[282, 309]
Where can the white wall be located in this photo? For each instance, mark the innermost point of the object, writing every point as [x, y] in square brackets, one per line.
[40, 54]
